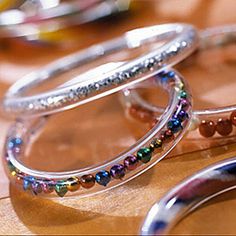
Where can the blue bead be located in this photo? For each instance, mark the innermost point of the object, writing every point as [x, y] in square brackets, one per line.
[174, 125]
[171, 74]
[103, 177]
[14, 142]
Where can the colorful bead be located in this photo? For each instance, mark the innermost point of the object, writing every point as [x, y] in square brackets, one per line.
[87, 181]
[233, 118]
[14, 142]
[117, 171]
[131, 162]
[207, 128]
[224, 127]
[184, 104]
[27, 182]
[11, 167]
[103, 177]
[144, 155]
[174, 125]
[73, 184]
[183, 94]
[168, 136]
[157, 143]
[181, 115]
[36, 188]
[48, 186]
[61, 188]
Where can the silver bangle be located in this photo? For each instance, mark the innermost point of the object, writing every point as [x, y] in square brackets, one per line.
[181, 40]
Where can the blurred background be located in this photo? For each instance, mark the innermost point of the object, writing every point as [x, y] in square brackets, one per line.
[34, 33]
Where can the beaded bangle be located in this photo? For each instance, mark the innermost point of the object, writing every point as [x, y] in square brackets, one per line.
[189, 195]
[181, 41]
[208, 122]
[149, 150]
[50, 17]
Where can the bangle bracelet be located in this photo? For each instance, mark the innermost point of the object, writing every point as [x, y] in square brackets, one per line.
[149, 150]
[181, 41]
[189, 195]
[209, 122]
[49, 17]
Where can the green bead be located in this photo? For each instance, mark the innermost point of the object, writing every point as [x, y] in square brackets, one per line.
[144, 155]
[183, 94]
[61, 188]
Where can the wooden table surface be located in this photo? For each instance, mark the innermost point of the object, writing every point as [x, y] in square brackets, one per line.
[97, 131]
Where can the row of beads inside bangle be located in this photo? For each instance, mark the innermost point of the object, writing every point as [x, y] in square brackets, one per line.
[207, 128]
[118, 171]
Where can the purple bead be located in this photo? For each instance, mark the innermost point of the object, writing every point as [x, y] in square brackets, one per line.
[117, 171]
[131, 162]
[184, 104]
[182, 115]
[36, 188]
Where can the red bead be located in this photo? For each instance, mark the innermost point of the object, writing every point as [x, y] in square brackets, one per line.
[87, 181]
[233, 118]
[207, 128]
[224, 127]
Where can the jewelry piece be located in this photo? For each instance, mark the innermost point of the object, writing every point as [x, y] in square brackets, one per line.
[189, 195]
[181, 41]
[149, 150]
[208, 122]
[50, 16]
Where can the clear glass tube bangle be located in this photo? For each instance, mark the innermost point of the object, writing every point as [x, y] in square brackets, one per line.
[209, 123]
[181, 40]
[141, 156]
[188, 195]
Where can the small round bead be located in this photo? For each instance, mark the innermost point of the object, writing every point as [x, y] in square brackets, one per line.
[87, 181]
[36, 188]
[144, 155]
[157, 143]
[14, 142]
[207, 128]
[61, 188]
[48, 186]
[169, 136]
[174, 125]
[224, 127]
[103, 177]
[131, 162]
[182, 115]
[233, 118]
[184, 104]
[183, 94]
[117, 171]
[73, 184]
[141, 113]
[171, 74]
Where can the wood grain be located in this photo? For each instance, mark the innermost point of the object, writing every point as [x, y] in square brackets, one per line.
[97, 131]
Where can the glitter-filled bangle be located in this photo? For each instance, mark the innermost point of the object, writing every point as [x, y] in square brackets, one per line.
[51, 16]
[180, 40]
[189, 195]
[141, 156]
[215, 122]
